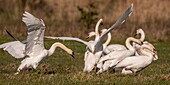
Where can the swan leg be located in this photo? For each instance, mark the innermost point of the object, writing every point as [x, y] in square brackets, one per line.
[104, 68]
[16, 73]
[126, 71]
[18, 70]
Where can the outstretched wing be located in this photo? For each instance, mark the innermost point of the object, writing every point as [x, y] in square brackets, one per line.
[68, 38]
[118, 22]
[15, 48]
[35, 31]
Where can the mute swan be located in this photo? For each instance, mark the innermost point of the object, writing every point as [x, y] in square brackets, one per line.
[114, 57]
[142, 38]
[136, 63]
[34, 47]
[108, 48]
[96, 47]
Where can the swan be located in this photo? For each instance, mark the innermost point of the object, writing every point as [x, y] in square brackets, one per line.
[142, 38]
[34, 48]
[108, 48]
[114, 57]
[136, 63]
[95, 47]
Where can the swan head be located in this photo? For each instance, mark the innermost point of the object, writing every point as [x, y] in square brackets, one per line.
[103, 30]
[139, 31]
[91, 34]
[71, 53]
[154, 50]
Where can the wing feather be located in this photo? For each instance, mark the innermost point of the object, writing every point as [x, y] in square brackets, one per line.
[15, 48]
[118, 22]
[35, 31]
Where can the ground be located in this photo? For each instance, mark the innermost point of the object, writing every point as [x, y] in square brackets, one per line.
[61, 69]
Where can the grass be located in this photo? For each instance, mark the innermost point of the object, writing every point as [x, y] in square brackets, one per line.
[61, 69]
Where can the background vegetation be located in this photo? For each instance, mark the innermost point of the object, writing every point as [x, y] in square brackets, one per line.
[77, 18]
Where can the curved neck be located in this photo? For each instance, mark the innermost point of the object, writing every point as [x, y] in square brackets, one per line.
[97, 28]
[55, 45]
[108, 39]
[142, 38]
[128, 42]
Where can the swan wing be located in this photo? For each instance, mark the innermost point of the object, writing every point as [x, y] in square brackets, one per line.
[68, 38]
[35, 31]
[118, 55]
[133, 61]
[118, 22]
[15, 48]
[114, 47]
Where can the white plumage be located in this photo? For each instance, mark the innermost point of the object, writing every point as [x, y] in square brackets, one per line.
[134, 64]
[96, 46]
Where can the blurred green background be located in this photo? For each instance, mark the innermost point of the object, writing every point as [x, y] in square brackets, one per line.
[77, 18]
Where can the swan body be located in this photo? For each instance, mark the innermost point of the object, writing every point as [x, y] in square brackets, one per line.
[136, 63]
[111, 59]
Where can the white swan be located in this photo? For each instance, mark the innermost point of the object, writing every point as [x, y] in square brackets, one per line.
[136, 63]
[96, 47]
[108, 48]
[114, 57]
[142, 38]
[34, 48]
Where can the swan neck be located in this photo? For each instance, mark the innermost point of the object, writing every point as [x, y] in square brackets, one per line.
[97, 28]
[142, 38]
[108, 39]
[128, 42]
[55, 45]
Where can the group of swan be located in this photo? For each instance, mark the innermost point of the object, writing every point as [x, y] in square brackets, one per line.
[105, 56]
[95, 48]
[33, 50]
[126, 59]
[131, 57]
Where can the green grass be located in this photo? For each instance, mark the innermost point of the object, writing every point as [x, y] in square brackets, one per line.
[61, 69]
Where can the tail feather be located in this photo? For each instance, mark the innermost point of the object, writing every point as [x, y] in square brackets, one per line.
[11, 35]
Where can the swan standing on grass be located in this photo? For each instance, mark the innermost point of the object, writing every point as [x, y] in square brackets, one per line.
[142, 38]
[34, 47]
[136, 63]
[89, 57]
[95, 48]
[114, 57]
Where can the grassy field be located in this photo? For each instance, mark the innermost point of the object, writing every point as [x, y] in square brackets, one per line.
[63, 17]
[61, 69]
